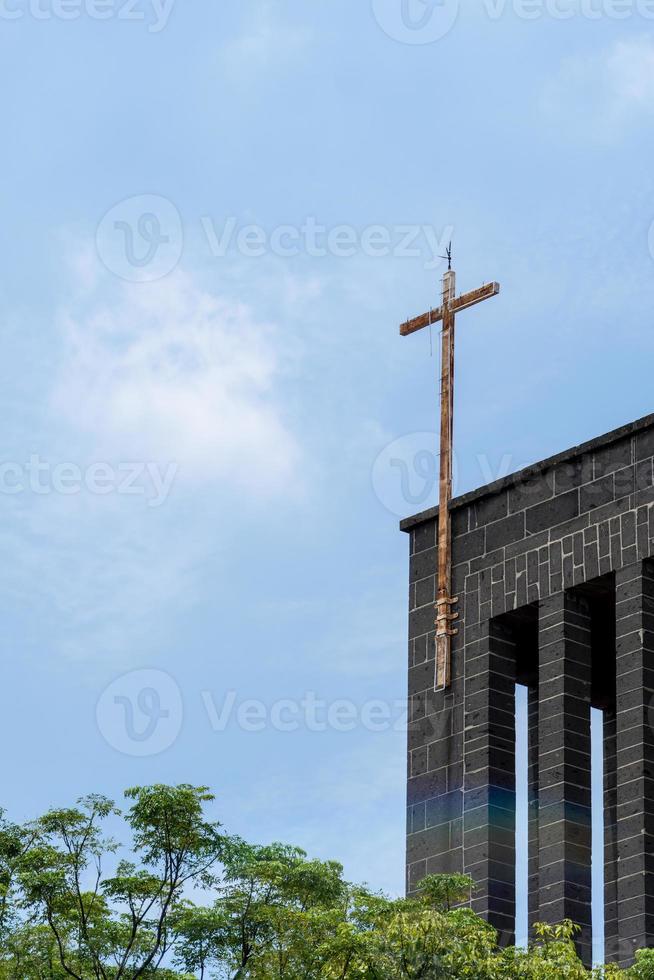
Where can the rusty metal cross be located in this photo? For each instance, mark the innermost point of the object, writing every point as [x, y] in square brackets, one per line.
[445, 603]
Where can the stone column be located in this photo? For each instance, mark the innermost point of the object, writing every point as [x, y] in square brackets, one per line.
[635, 757]
[489, 819]
[565, 825]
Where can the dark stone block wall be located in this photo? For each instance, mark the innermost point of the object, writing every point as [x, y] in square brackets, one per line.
[556, 587]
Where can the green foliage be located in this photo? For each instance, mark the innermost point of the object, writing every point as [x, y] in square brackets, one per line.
[76, 904]
[443, 891]
[86, 921]
[644, 967]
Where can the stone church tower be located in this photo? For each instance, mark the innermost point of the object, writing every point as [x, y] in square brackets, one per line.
[554, 570]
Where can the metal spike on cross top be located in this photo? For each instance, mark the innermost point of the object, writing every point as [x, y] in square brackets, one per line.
[452, 304]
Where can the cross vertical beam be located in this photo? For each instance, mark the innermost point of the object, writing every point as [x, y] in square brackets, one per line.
[445, 603]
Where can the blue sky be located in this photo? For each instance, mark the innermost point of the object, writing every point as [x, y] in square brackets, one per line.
[207, 410]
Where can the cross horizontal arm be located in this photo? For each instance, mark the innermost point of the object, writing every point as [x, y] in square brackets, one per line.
[476, 296]
[419, 322]
[455, 306]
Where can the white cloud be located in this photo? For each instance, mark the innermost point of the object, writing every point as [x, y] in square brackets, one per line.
[601, 93]
[169, 372]
[97, 576]
[165, 372]
[631, 70]
[266, 44]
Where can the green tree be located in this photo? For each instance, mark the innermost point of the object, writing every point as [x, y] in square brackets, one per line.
[74, 905]
[110, 926]
[276, 915]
